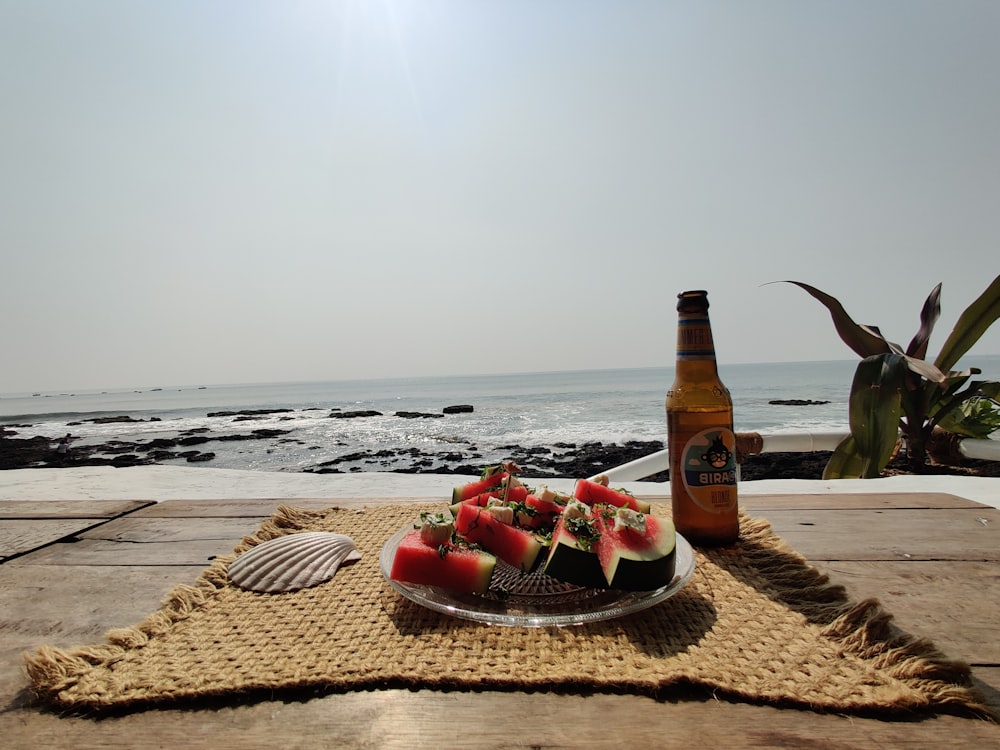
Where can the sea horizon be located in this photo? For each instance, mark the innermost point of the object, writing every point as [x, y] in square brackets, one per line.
[352, 424]
[197, 385]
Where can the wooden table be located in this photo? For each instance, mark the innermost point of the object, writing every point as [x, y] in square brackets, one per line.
[932, 559]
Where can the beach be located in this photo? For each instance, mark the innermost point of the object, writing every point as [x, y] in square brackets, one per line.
[552, 423]
[412, 436]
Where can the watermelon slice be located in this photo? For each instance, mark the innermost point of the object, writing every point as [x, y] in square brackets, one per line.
[481, 500]
[572, 556]
[465, 491]
[446, 565]
[513, 495]
[593, 493]
[636, 550]
[536, 512]
[516, 547]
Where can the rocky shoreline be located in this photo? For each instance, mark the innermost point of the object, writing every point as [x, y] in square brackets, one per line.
[557, 460]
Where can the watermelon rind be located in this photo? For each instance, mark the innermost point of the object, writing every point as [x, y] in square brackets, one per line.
[634, 562]
[641, 575]
[571, 559]
[569, 563]
[444, 566]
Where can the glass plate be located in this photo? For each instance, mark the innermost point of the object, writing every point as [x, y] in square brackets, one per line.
[536, 600]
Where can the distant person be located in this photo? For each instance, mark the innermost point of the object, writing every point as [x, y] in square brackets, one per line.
[62, 450]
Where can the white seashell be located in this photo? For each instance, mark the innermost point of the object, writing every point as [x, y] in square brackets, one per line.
[292, 562]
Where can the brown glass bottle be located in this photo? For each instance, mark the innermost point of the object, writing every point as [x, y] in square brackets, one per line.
[700, 439]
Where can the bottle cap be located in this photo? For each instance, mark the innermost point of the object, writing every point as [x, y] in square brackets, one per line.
[692, 301]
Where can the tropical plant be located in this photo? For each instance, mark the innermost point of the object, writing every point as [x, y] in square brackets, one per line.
[898, 391]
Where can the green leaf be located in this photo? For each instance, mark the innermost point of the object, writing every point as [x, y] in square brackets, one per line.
[941, 399]
[928, 317]
[974, 412]
[845, 462]
[972, 324]
[858, 338]
[875, 409]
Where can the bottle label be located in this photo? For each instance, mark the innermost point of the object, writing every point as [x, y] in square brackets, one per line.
[709, 469]
[694, 339]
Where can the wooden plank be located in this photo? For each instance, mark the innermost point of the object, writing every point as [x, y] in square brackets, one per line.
[18, 536]
[133, 529]
[72, 606]
[859, 501]
[254, 507]
[987, 681]
[954, 604]
[390, 719]
[104, 553]
[939, 534]
[62, 509]
[28, 525]
[134, 540]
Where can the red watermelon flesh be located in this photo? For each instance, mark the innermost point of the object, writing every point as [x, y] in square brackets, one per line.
[634, 559]
[537, 513]
[516, 547]
[481, 500]
[514, 495]
[593, 493]
[447, 566]
[465, 491]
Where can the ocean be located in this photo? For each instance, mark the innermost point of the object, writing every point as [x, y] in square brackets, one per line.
[525, 409]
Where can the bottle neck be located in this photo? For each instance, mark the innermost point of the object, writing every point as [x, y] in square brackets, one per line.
[695, 348]
[694, 338]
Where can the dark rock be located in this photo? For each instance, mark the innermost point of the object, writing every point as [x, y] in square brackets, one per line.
[158, 456]
[199, 457]
[113, 420]
[796, 402]
[458, 409]
[117, 447]
[265, 432]
[784, 465]
[19, 453]
[417, 415]
[158, 443]
[354, 414]
[248, 412]
[127, 459]
[192, 440]
[259, 434]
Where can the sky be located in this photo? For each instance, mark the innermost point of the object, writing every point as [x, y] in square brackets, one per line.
[203, 192]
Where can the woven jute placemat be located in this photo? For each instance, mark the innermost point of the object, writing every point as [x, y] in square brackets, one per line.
[755, 623]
